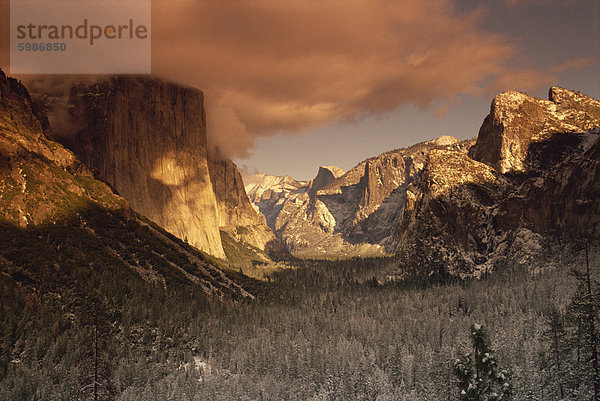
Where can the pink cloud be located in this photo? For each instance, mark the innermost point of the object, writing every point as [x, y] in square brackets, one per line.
[270, 66]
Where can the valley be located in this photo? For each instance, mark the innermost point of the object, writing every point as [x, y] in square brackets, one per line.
[313, 333]
[129, 244]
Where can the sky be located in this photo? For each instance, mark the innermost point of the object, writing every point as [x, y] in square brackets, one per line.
[545, 36]
[291, 85]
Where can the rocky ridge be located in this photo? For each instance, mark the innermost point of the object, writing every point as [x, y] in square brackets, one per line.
[456, 207]
[518, 120]
[532, 174]
[235, 213]
[354, 213]
[30, 161]
[267, 193]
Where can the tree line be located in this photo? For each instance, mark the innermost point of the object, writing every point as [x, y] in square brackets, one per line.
[324, 330]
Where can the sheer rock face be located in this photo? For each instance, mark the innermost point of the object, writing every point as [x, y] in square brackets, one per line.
[233, 205]
[235, 213]
[357, 213]
[568, 199]
[72, 218]
[517, 120]
[534, 172]
[325, 175]
[147, 139]
[447, 225]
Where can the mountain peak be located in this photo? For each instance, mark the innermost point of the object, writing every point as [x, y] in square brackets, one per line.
[444, 140]
[325, 175]
[335, 170]
[560, 95]
[518, 120]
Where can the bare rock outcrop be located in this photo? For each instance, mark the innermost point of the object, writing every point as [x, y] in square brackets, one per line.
[41, 182]
[235, 213]
[59, 224]
[533, 173]
[147, 139]
[518, 120]
[447, 225]
[354, 213]
[325, 175]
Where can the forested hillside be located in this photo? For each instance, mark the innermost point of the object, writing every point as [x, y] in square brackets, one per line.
[314, 332]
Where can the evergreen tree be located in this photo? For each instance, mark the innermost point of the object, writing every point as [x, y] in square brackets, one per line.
[478, 374]
[583, 320]
[553, 363]
[96, 375]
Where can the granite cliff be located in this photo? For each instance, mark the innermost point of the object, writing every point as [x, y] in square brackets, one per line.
[147, 139]
[517, 121]
[532, 174]
[235, 213]
[442, 207]
[64, 231]
[325, 175]
[455, 207]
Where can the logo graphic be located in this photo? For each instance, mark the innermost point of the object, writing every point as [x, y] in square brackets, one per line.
[80, 37]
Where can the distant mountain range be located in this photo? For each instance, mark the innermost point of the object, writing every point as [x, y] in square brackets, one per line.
[444, 206]
[451, 206]
[344, 213]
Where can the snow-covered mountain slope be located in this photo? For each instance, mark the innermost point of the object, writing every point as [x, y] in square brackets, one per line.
[344, 214]
[455, 207]
[534, 173]
[268, 192]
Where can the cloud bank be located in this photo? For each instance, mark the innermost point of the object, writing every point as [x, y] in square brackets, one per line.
[288, 66]
[270, 66]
